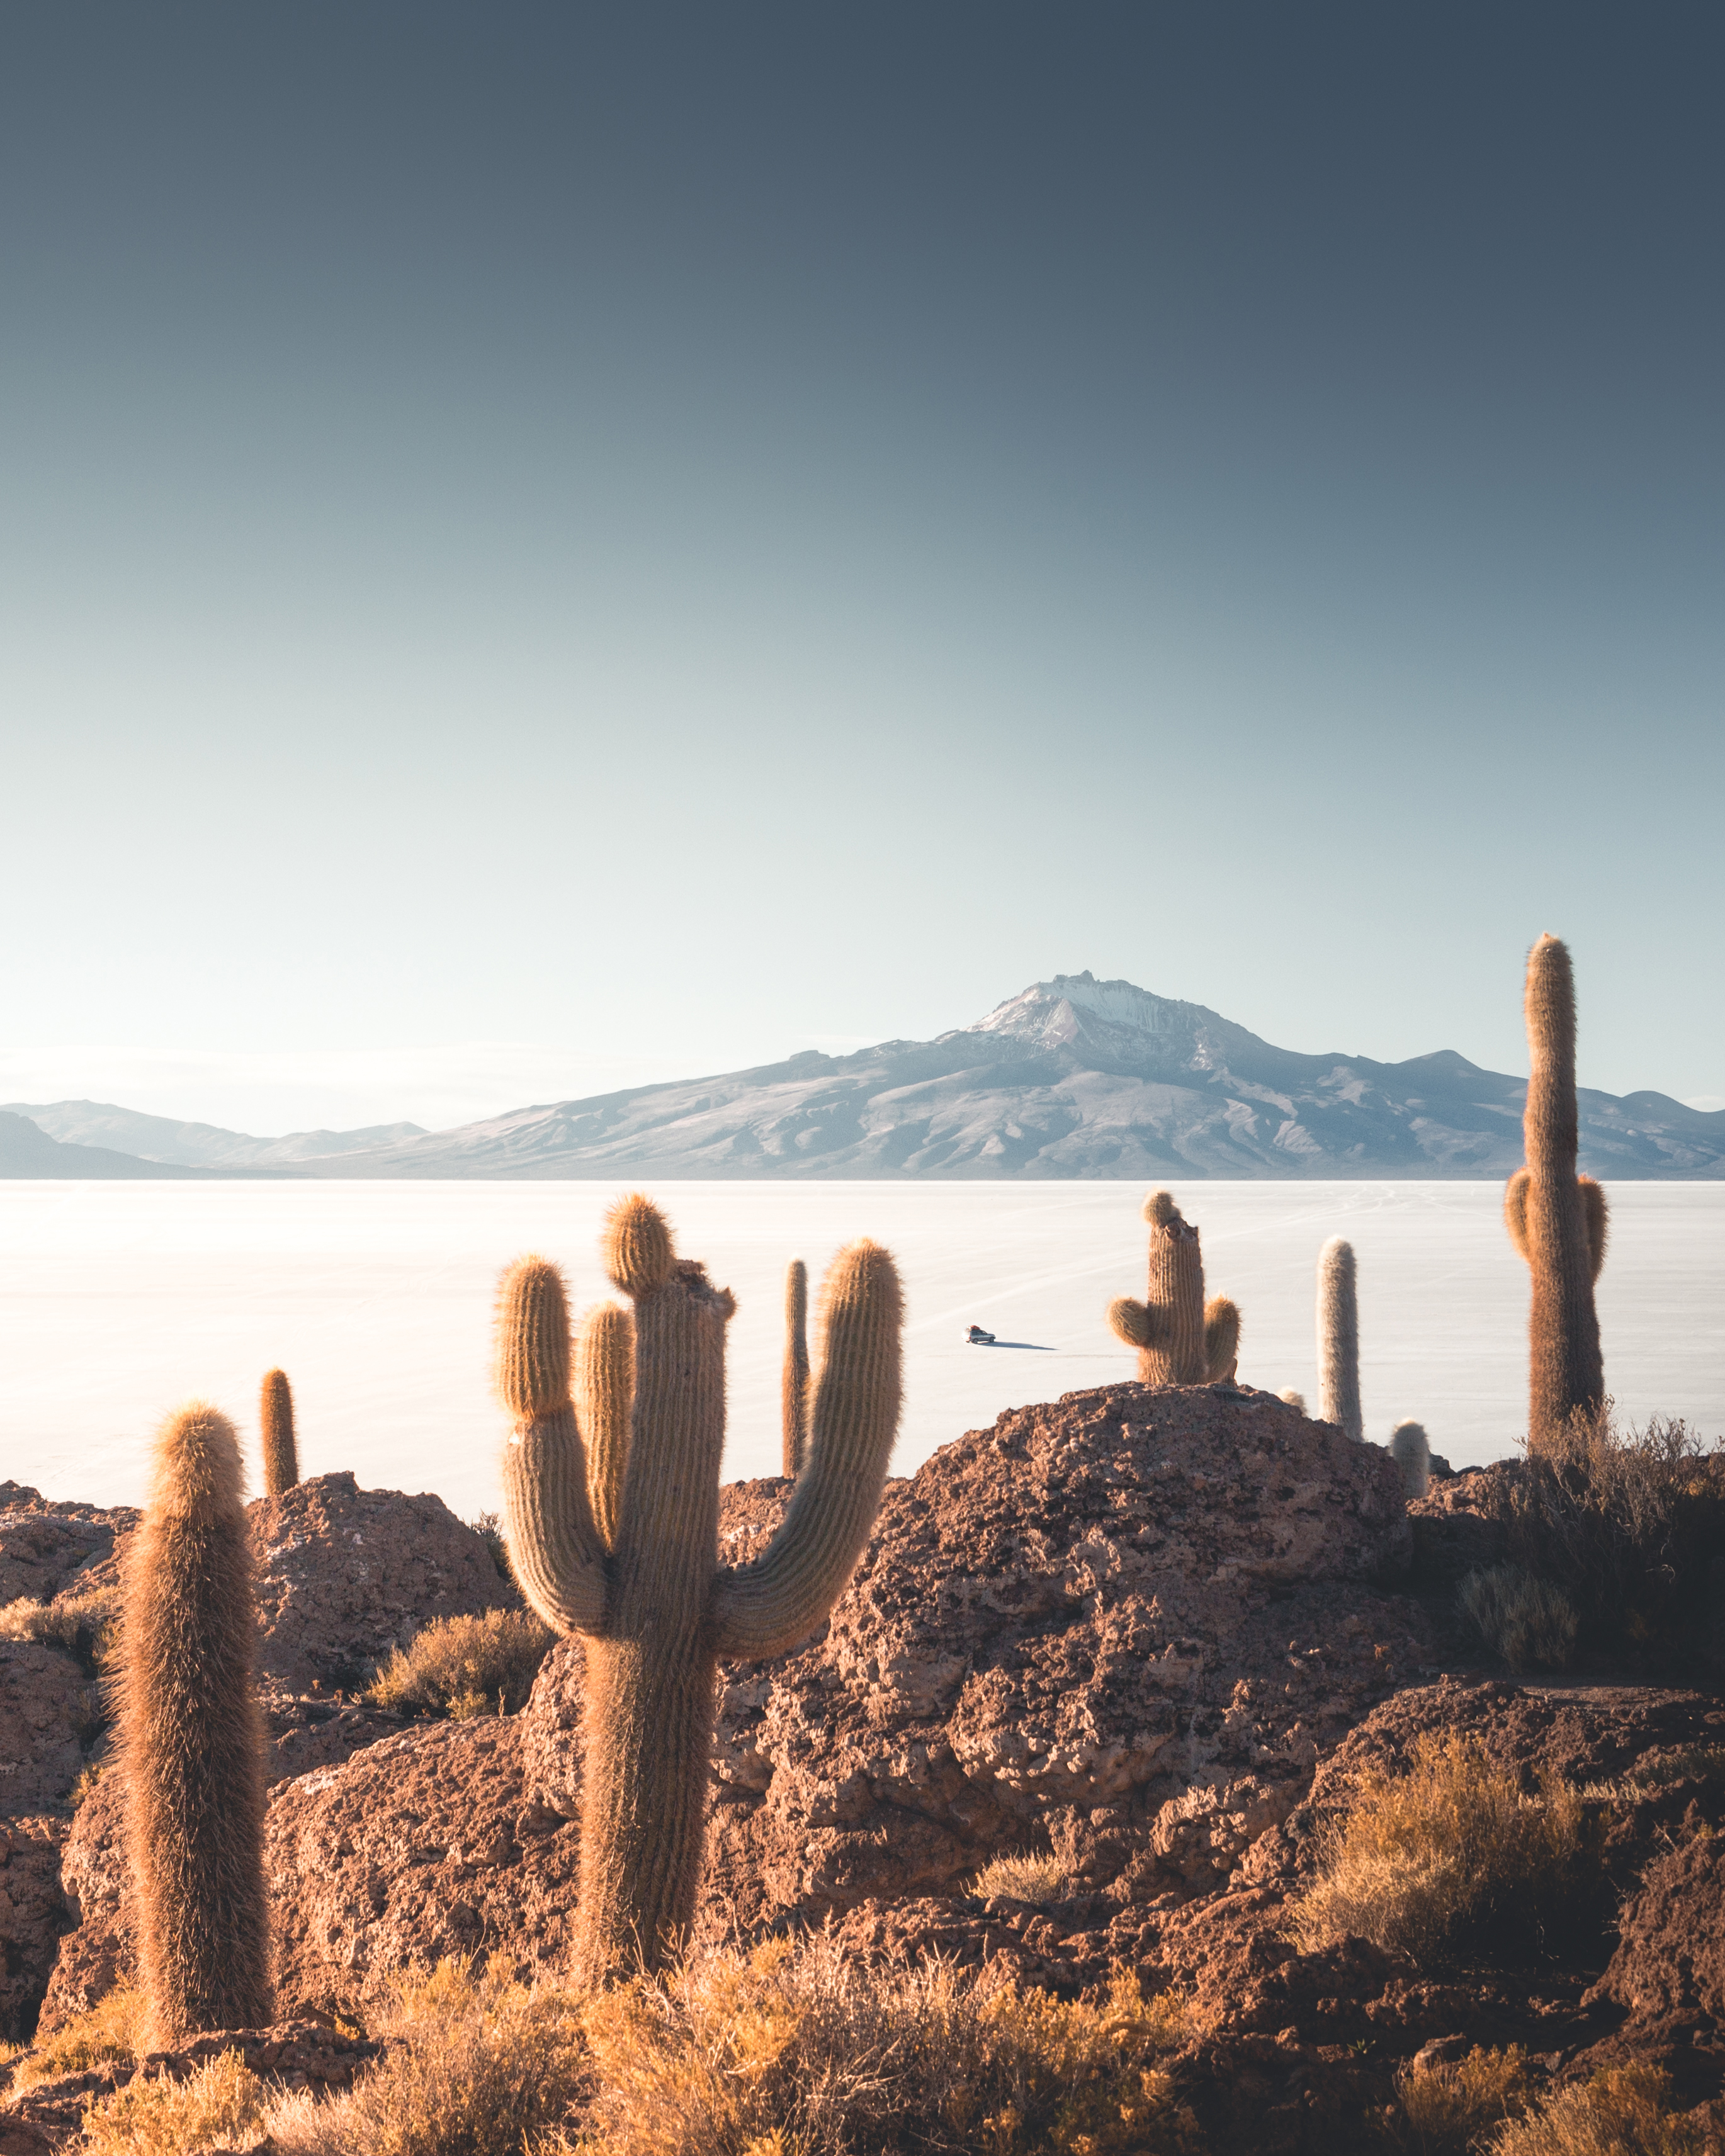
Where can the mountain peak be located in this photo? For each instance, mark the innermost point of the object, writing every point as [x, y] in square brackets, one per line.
[1077, 1008]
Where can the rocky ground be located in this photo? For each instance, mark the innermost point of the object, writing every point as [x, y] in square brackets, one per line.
[1153, 1637]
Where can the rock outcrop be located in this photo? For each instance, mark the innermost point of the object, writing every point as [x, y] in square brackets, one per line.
[345, 1575]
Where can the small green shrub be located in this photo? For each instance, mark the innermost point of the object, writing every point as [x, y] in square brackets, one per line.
[1526, 1620]
[490, 1525]
[466, 1666]
[1424, 1861]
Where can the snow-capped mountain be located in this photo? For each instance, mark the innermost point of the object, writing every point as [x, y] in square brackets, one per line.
[1075, 1077]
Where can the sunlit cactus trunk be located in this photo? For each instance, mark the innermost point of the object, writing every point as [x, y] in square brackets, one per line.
[1181, 1339]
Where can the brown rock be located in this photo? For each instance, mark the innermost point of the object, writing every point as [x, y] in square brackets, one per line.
[97, 1891]
[48, 1711]
[32, 1917]
[347, 1574]
[1670, 1960]
[1060, 1626]
[44, 1545]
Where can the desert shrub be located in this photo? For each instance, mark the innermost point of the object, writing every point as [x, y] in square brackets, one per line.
[1448, 2110]
[82, 1625]
[1624, 1522]
[484, 2066]
[1526, 1620]
[1027, 1877]
[1624, 2112]
[1426, 1861]
[112, 2030]
[465, 1666]
[792, 2048]
[220, 2105]
[490, 1525]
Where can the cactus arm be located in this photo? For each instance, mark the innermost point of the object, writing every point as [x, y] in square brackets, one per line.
[604, 1386]
[1596, 1216]
[1138, 1324]
[794, 1387]
[765, 1608]
[554, 1546]
[1515, 1211]
[1221, 1339]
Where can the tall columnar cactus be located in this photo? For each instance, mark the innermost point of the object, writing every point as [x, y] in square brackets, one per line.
[1181, 1339]
[1410, 1450]
[1338, 1340]
[793, 1390]
[275, 1422]
[604, 1384]
[192, 1740]
[1556, 1218]
[656, 1610]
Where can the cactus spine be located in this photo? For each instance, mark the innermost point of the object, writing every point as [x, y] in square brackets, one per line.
[275, 1423]
[1556, 1218]
[604, 1379]
[657, 1612]
[1338, 1340]
[1411, 1451]
[192, 1740]
[794, 1391]
[1181, 1339]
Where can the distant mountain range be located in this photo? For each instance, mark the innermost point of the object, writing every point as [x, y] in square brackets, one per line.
[1074, 1078]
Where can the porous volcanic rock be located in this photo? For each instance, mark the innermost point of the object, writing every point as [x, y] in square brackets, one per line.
[44, 1545]
[345, 1575]
[48, 1711]
[32, 1916]
[1669, 1967]
[420, 1846]
[1122, 1624]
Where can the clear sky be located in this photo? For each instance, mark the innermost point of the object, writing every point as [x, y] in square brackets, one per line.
[543, 546]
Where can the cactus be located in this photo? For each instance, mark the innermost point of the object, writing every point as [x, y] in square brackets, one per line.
[1181, 1339]
[794, 1391]
[656, 1611]
[604, 1382]
[1556, 1218]
[1295, 1400]
[192, 1741]
[1338, 1340]
[275, 1425]
[1411, 1451]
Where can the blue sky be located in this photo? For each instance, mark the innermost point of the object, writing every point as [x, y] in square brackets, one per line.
[545, 547]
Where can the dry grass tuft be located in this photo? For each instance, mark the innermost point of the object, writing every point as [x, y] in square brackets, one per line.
[1424, 1862]
[489, 1527]
[484, 2066]
[1029, 1876]
[1625, 1521]
[1625, 2112]
[1526, 1620]
[112, 2030]
[84, 1626]
[1447, 2111]
[221, 2106]
[466, 1666]
[794, 2049]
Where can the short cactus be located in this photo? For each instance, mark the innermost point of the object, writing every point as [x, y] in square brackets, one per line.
[1338, 1340]
[1556, 1218]
[656, 1610]
[1181, 1339]
[793, 1392]
[275, 1425]
[1294, 1398]
[604, 1386]
[192, 1740]
[1411, 1451]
